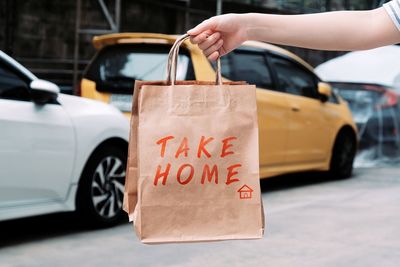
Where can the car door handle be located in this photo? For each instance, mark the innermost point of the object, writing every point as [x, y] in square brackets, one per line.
[295, 109]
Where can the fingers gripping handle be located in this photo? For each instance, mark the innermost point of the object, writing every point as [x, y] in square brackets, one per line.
[173, 62]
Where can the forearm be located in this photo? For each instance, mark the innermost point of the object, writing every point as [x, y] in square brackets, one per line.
[341, 30]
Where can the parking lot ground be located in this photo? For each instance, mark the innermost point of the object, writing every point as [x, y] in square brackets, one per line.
[310, 221]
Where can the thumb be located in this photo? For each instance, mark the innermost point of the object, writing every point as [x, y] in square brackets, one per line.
[209, 24]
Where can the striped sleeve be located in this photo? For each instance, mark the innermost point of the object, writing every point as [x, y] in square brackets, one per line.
[393, 9]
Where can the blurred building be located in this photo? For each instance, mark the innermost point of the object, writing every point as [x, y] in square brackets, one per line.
[309, 6]
[53, 38]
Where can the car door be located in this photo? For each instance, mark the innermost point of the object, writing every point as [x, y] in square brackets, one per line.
[251, 66]
[36, 145]
[308, 136]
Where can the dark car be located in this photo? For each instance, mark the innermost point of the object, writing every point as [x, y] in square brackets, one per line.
[376, 112]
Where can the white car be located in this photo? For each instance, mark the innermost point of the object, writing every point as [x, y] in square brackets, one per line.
[374, 66]
[58, 152]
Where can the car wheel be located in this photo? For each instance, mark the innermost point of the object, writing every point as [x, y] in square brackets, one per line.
[101, 188]
[343, 155]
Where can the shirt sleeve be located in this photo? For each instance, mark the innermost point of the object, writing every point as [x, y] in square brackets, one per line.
[393, 9]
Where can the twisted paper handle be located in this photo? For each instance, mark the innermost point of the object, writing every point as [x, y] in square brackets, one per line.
[173, 62]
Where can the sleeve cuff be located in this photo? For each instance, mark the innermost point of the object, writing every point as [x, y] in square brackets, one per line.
[393, 10]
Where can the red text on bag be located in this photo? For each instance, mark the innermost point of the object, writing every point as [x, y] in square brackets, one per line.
[185, 172]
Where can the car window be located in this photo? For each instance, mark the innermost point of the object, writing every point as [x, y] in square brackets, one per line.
[361, 98]
[117, 67]
[12, 86]
[247, 66]
[294, 79]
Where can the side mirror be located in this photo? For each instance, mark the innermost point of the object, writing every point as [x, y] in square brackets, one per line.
[325, 91]
[43, 92]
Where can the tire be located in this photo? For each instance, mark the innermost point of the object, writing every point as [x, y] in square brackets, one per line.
[343, 155]
[101, 187]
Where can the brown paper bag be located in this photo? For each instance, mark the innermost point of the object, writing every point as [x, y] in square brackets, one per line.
[193, 169]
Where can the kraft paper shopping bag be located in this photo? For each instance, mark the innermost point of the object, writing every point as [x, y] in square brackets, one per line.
[193, 168]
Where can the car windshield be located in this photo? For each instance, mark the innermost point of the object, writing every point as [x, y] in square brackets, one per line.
[361, 100]
[137, 65]
[117, 67]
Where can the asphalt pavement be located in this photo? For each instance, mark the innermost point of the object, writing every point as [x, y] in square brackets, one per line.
[310, 221]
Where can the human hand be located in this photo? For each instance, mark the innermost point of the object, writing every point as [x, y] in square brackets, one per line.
[219, 35]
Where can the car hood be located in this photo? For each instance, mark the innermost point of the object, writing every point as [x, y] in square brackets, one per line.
[380, 65]
[77, 106]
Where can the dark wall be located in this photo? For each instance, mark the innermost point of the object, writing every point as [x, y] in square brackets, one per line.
[38, 28]
[46, 28]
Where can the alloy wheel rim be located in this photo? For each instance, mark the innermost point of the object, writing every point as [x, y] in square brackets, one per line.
[108, 187]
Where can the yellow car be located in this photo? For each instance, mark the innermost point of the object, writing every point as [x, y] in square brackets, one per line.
[303, 125]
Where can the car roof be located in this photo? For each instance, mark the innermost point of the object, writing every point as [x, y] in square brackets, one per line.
[157, 38]
[378, 65]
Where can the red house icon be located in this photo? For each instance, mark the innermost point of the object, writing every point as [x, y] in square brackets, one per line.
[245, 192]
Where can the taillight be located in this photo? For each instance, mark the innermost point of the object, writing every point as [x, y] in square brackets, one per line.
[389, 99]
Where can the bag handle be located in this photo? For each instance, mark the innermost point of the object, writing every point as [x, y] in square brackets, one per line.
[173, 62]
